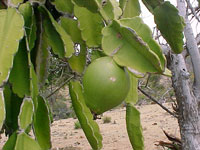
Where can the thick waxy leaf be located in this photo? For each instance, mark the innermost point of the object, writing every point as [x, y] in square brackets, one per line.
[134, 127]
[128, 49]
[78, 61]
[152, 4]
[26, 113]
[130, 8]
[58, 39]
[71, 27]
[20, 80]
[30, 24]
[132, 96]
[96, 54]
[89, 4]
[41, 124]
[89, 126]
[2, 6]
[63, 6]
[42, 61]
[38, 1]
[13, 104]
[109, 9]
[116, 9]
[2, 108]
[25, 142]
[11, 31]
[10, 144]
[90, 25]
[34, 87]
[145, 33]
[14, 3]
[171, 25]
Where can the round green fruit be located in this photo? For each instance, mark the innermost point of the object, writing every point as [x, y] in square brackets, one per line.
[105, 85]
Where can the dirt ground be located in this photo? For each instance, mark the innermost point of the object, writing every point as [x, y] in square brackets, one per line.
[154, 120]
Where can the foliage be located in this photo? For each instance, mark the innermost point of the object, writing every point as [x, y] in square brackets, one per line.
[106, 119]
[77, 125]
[36, 33]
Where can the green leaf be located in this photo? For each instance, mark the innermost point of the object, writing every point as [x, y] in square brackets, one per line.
[2, 109]
[25, 142]
[11, 25]
[26, 113]
[89, 126]
[10, 144]
[54, 33]
[42, 61]
[167, 73]
[30, 23]
[63, 6]
[41, 2]
[91, 5]
[128, 49]
[13, 104]
[134, 127]
[34, 86]
[152, 4]
[145, 33]
[2, 6]
[14, 3]
[78, 61]
[107, 10]
[20, 80]
[41, 124]
[54, 39]
[96, 54]
[130, 8]
[132, 96]
[90, 25]
[71, 27]
[116, 9]
[171, 25]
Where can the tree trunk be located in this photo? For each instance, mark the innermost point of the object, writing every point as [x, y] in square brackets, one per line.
[187, 97]
[189, 120]
[192, 48]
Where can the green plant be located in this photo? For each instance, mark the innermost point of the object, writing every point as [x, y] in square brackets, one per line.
[106, 119]
[36, 31]
[77, 125]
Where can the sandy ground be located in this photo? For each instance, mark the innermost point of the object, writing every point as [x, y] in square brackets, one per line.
[154, 120]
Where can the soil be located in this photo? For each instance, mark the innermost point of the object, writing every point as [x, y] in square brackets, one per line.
[154, 121]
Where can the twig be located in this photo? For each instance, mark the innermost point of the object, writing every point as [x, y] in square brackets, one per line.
[154, 100]
[149, 75]
[60, 87]
[172, 138]
[162, 97]
[192, 10]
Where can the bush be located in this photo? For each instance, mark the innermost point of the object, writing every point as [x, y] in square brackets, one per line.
[106, 119]
[77, 125]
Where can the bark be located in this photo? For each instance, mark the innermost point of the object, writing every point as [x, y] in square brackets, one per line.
[188, 118]
[187, 97]
[192, 48]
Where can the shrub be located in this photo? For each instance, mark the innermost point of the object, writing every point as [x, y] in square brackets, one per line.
[77, 125]
[106, 119]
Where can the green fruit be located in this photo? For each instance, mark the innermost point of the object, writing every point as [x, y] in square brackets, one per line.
[105, 85]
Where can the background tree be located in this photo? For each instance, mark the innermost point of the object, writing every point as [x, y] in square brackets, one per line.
[77, 33]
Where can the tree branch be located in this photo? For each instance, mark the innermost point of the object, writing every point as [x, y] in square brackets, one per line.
[154, 100]
[60, 87]
[192, 48]
[192, 10]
